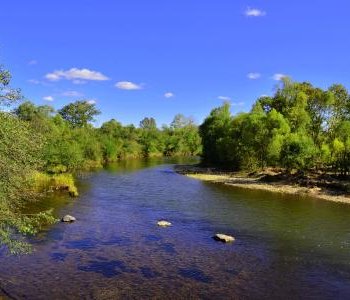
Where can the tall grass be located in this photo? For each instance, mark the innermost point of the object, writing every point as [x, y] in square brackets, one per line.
[42, 182]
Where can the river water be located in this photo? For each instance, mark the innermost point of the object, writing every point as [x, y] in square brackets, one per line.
[286, 247]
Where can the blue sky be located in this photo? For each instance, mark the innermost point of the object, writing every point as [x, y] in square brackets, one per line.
[156, 58]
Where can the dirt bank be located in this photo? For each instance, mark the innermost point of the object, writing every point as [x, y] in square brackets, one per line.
[321, 186]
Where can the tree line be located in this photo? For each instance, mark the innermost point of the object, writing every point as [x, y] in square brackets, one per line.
[72, 142]
[300, 127]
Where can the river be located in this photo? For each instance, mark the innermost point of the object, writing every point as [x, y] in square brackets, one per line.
[286, 247]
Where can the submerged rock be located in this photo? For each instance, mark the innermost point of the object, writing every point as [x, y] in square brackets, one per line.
[224, 238]
[163, 223]
[68, 218]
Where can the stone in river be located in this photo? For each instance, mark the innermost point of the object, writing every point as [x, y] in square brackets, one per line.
[68, 218]
[224, 238]
[163, 223]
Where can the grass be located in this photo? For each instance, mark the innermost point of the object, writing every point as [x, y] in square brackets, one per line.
[44, 182]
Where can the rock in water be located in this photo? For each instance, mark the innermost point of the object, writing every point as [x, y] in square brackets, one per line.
[224, 238]
[163, 223]
[68, 218]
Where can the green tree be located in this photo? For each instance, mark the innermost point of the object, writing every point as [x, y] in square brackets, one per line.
[79, 113]
[215, 135]
[8, 95]
[148, 123]
[20, 156]
[298, 152]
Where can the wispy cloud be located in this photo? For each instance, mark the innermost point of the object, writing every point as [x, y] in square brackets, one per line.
[224, 98]
[76, 75]
[48, 98]
[253, 75]
[72, 94]
[169, 95]
[78, 81]
[92, 101]
[241, 103]
[254, 12]
[128, 85]
[278, 76]
[32, 62]
[34, 81]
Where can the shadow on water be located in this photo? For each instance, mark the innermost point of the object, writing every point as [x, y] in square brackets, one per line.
[149, 273]
[195, 274]
[107, 268]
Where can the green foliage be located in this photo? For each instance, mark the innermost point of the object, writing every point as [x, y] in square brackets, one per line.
[298, 152]
[215, 135]
[148, 123]
[299, 127]
[79, 113]
[8, 95]
[20, 155]
[42, 182]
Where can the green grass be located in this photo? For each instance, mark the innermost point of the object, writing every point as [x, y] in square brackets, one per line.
[44, 182]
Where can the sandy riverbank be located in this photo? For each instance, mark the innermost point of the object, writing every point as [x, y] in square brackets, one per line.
[330, 189]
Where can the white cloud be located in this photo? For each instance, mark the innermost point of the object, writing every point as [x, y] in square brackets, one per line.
[128, 85]
[254, 12]
[48, 98]
[224, 98]
[169, 95]
[76, 75]
[241, 103]
[32, 62]
[253, 75]
[92, 101]
[72, 94]
[278, 76]
[78, 81]
[34, 81]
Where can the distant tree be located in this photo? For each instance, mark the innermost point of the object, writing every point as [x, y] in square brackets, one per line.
[28, 111]
[8, 95]
[148, 123]
[112, 128]
[180, 121]
[79, 113]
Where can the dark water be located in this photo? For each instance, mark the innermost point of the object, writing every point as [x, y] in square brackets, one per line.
[286, 247]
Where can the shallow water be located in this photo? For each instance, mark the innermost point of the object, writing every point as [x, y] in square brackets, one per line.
[286, 247]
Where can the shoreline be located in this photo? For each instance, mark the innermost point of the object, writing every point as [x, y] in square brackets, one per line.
[270, 182]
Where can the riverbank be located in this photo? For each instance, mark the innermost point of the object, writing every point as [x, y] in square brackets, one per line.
[320, 186]
[42, 182]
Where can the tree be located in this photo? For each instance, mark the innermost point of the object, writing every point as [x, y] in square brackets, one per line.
[215, 134]
[8, 95]
[148, 123]
[298, 152]
[20, 156]
[180, 121]
[28, 111]
[79, 113]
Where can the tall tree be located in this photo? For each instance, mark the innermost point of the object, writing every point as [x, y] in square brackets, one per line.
[148, 123]
[8, 95]
[79, 113]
